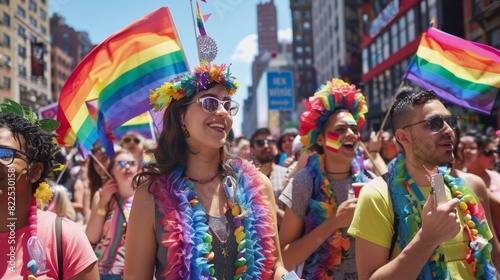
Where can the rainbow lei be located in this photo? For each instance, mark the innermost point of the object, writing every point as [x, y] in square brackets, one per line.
[190, 84]
[407, 200]
[186, 232]
[322, 205]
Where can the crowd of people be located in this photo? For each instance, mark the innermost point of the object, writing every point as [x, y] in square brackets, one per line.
[275, 205]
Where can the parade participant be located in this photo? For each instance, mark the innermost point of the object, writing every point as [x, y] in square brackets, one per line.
[107, 226]
[30, 236]
[202, 213]
[319, 209]
[401, 232]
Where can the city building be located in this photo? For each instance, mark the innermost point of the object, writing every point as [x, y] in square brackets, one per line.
[24, 50]
[482, 24]
[303, 49]
[336, 40]
[61, 69]
[390, 35]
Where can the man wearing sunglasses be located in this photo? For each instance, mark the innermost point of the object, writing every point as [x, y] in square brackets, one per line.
[401, 231]
[264, 150]
[133, 142]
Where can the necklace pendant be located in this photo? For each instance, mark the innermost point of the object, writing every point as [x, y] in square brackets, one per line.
[225, 253]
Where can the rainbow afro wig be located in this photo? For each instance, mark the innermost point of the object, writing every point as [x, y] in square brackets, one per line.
[335, 94]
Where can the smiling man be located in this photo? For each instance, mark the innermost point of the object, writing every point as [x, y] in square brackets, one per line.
[400, 231]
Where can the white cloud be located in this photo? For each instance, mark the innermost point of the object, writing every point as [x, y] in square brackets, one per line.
[246, 49]
[285, 35]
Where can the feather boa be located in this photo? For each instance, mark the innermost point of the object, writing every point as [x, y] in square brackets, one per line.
[407, 199]
[186, 227]
[322, 205]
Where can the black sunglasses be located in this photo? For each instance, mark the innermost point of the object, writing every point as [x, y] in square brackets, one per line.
[436, 123]
[7, 155]
[128, 140]
[261, 143]
[489, 153]
[210, 105]
[123, 163]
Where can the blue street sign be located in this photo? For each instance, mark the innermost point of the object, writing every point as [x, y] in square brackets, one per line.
[280, 90]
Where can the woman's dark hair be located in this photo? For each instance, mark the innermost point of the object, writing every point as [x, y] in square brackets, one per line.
[172, 149]
[38, 143]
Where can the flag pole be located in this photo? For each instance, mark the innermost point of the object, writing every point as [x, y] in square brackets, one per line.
[194, 29]
[392, 103]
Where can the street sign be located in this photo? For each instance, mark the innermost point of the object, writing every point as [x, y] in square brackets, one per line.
[280, 90]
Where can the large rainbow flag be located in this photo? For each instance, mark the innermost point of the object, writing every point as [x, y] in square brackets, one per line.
[459, 71]
[119, 72]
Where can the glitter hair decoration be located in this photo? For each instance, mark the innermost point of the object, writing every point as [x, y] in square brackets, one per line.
[335, 94]
[192, 83]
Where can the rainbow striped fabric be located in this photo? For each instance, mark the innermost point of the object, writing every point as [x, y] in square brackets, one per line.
[119, 72]
[200, 20]
[459, 71]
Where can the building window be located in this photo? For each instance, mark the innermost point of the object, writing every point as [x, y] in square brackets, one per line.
[299, 50]
[494, 38]
[6, 41]
[308, 62]
[21, 12]
[43, 14]
[6, 19]
[21, 32]
[43, 30]
[386, 45]
[365, 58]
[298, 38]
[373, 55]
[476, 7]
[32, 5]
[411, 24]
[307, 25]
[403, 39]
[21, 51]
[6, 61]
[379, 51]
[424, 20]
[296, 14]
[394, 38]
[33, 21]
[22, 71]
[6, 82]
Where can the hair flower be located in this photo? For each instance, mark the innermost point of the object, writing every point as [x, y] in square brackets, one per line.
[43, 193]
[191, 83]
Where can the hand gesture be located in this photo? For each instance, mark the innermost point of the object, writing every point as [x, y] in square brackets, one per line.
[440, 224]
[375, 143]
[342, 218]
[108, 189]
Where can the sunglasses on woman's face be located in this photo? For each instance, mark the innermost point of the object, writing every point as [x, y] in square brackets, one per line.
[436, 123]
[210, 105]
[100, 149]
[128, 140]
[122, 163]
[7, 155]
[489, 153]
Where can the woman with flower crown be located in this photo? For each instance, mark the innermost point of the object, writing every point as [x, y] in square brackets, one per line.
[319, 203]
[202, 213]
[28, 235]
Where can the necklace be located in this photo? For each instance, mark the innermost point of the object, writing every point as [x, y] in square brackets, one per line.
[205, 181]
[223, 242]
[338, 172]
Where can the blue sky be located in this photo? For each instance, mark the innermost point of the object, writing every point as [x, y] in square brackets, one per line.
[233, 25]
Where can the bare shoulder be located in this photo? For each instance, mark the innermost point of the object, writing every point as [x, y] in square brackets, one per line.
[474, 181]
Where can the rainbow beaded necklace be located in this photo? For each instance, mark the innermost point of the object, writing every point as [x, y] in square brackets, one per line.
[186, 232]
[322, 205]
[408, 202]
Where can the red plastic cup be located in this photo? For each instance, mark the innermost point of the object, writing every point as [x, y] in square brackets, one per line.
[357, 188]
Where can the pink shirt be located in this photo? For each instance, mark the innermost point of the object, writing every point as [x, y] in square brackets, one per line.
[494, 188]
[77, 252]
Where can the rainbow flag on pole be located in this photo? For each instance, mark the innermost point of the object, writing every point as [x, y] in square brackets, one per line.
[459, 71]
[119, 72]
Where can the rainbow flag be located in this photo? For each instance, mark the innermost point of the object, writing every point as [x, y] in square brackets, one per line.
[142, 124]
[459, 71]
[119, 72]
[200, 20]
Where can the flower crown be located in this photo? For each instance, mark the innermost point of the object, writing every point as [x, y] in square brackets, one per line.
[333, 95]
[189, 84]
